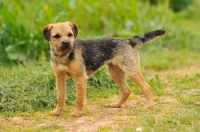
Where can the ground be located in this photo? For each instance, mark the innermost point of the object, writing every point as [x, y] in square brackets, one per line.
[98, 116]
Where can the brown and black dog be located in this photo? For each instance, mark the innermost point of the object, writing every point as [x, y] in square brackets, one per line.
[71, 57]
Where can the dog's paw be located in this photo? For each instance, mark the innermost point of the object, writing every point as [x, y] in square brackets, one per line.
[115, 105]
[56, 112]
[76, 113]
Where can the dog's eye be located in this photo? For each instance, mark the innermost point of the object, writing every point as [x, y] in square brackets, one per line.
[70, 34]
[56, 36]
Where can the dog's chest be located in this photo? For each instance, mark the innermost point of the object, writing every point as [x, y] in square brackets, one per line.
[62, 67]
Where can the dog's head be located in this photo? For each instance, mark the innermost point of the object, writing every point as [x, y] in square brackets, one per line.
[61, 36]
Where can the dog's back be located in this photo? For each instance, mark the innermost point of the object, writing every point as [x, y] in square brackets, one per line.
[96, 52]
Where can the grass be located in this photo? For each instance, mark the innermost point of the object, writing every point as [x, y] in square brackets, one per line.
[29, 93]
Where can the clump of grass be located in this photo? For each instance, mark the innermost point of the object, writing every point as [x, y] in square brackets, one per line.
[156, 85]
[30, 88]
[50, 127]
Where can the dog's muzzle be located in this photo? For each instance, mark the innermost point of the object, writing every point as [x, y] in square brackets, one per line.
[65, 45]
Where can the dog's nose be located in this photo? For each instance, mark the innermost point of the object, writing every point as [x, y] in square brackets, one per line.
[66, 42]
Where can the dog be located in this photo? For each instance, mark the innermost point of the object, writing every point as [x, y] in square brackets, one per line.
[76, 58]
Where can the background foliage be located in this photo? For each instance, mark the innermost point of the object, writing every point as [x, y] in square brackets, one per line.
[21, 22]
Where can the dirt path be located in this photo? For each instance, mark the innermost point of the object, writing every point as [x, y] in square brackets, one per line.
[96, 117]
[189, 70]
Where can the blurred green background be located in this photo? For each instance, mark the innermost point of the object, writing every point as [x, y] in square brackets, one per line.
[21, 23]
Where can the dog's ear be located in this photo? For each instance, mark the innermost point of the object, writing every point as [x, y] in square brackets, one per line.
[74, 29]
[47, 31]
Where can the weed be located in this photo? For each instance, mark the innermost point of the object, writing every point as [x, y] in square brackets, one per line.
[50, 127]
[157, 85]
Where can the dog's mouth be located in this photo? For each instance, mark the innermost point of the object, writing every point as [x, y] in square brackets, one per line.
[62, 49]
[65, 45]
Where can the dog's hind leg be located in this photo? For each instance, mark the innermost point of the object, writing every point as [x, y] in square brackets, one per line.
[137, 77]
[119, 78]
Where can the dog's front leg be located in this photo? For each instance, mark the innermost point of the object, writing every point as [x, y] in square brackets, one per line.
[81, 84]
[60, 87]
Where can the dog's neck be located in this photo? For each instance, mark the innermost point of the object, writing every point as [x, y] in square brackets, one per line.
[63, 58]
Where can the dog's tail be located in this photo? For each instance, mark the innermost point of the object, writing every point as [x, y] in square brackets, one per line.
[139, 40]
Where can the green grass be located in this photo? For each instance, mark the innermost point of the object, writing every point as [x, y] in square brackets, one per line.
[29, 92]
[33, 87]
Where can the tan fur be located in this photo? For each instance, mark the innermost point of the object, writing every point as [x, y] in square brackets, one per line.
[125, 62]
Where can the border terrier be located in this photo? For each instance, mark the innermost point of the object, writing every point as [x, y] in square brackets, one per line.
[76, 58]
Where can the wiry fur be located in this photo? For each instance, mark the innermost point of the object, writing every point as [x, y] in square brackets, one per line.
[79, 58]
